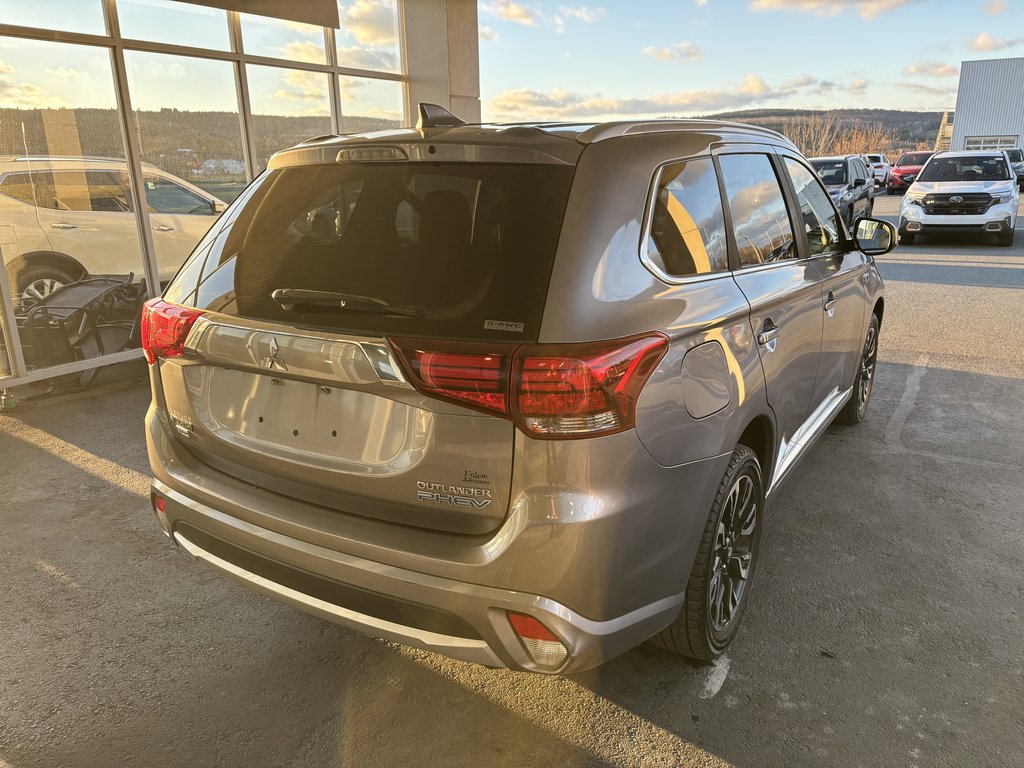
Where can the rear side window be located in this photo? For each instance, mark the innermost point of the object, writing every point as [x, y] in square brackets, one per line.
[687, 233]
[466, 246]
[98, 191]
[760, 220]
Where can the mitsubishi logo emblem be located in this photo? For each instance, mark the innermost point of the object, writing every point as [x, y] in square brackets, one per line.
[272, 361]
[956, 199]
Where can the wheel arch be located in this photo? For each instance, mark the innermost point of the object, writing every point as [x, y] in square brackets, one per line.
[759, 436]
[45, 259]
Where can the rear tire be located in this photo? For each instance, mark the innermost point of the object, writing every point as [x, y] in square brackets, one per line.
[40, 280]
[719, 583]
[1005, 239]
[857, 407]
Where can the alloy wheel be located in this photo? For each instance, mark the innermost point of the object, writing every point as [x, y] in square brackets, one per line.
[867, 369]
[733, 553]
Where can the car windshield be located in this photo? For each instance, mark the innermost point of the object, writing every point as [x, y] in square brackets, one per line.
[831, 171]
[1015, 155]
[914, 158]
[971, 168]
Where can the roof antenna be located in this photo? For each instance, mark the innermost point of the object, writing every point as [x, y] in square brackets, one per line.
[434, 116]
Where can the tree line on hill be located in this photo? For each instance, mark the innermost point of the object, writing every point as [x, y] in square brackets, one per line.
[819, 133]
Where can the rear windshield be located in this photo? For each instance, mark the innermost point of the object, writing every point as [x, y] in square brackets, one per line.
[831, 171]
[914, 158]
[875, 158]
[1015, 155]
[464, 250]
[984, 168]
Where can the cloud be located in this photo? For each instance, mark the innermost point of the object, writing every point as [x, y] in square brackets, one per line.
[370, 22]
[529, 104]
[507, 10]
[996, 7]
[701, 2]
[5, 68]
[300, 85]
[528, 16]
[28, 96]
[858, 86]
[867, 9]
[985, 42]
[367, 58]
[65, 73]
[932, 69]
[678, 51]
[582, 13]
[309, 30]
[486, 33]
[930, 90]
[303, 50]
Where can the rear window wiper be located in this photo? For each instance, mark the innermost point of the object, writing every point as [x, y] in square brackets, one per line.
[345, 302]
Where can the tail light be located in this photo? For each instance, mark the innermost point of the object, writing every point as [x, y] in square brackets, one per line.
[165, 327]
[540, 642]
[548, 390]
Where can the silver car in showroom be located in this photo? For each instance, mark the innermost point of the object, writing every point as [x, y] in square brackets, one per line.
[517, 394]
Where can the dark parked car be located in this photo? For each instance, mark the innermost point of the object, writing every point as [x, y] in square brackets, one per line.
[514, 394]
[850, 183]
[902, 175]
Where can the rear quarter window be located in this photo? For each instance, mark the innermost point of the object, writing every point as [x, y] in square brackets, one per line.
[687, 228]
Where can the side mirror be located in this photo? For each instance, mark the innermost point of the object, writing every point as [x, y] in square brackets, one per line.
[859, 183]
[874, 237]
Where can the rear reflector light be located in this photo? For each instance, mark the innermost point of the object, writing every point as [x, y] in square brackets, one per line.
[165, 327]
[549, 390]
[540, 642]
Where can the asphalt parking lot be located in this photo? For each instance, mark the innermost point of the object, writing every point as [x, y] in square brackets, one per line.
[885, 627]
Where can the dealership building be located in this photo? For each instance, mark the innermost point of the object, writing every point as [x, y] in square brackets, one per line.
[128, 126]
[989, 105]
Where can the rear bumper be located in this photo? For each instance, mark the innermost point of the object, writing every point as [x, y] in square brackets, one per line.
[603, 576]
[463, 621]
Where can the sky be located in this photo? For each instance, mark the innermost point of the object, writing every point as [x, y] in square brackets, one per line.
[540, 59]
[543, 59]
[51, 75]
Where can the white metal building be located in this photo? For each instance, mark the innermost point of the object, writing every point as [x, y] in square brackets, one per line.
[990, 105]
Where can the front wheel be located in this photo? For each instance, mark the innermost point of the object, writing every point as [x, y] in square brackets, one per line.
[907, 238]
[857, 407]
[719, 583]
[1005, 239]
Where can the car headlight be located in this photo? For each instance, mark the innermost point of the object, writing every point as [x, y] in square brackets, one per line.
[1005, 196]
[913, 197]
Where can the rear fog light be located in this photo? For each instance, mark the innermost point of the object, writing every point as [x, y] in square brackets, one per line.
[540, 643]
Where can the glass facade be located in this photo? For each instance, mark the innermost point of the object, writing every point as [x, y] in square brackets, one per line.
[127, 126]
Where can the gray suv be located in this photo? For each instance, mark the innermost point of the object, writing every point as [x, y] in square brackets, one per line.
[516, 394]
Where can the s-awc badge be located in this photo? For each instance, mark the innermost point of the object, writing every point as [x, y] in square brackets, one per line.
[504, 325]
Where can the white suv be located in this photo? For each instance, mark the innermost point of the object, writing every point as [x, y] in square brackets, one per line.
[880, 167]
[65, 217]
[971, 191]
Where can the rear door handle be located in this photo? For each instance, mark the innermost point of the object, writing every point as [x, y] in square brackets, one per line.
[63, 225]
[830, 304]
[162, 228]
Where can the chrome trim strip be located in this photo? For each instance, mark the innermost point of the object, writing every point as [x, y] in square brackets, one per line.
[376, 352]
[791, 451]
[463, 647]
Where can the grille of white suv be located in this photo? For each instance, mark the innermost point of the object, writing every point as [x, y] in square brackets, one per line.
[954, 204]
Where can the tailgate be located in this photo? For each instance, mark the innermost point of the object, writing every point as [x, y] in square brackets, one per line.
[330, 419]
